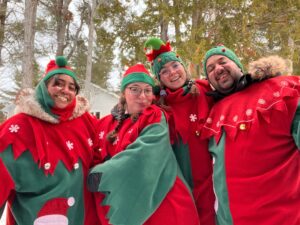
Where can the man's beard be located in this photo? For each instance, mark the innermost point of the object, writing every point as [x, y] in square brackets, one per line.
[238, 85]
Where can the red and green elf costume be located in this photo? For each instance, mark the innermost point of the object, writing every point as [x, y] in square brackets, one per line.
[255, 144]
[45, 155]
[189, 112]
[139, 180]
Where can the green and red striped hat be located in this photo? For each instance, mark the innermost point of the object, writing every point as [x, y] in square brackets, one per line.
[136, 73]
[159, 53]
[58, 66]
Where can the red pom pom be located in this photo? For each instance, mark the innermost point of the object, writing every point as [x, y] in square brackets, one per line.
[155, 53]
[223, 49]
[50, 65]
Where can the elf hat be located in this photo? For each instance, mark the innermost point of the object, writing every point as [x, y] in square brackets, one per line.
[159, 53]
[58, 66]
[222, 50]
[136, 73]
[54, 211]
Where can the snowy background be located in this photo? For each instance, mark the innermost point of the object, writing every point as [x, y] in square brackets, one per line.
[2, 221]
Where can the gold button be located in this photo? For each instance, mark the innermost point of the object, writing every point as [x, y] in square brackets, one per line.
[197, 133]
[243, 126]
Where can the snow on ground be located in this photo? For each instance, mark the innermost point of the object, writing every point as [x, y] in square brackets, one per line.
[2, 220]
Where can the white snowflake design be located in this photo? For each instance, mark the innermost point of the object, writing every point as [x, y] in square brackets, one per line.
[116, 141]
[193, 117]
[284, 83]
[70, 145]
[101, 135]
[130, 131]
[14, 128]
[276, 94]
[261, 101]
[90, 142]
[209, 120]
[235, 118]
[249, 112]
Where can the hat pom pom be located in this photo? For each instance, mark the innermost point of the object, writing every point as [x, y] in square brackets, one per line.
[61, 61]
[154, 47]
[50, 65]
[153, 42]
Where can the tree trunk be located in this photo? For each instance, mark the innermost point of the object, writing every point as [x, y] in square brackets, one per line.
[92, 8]
[63, 17]
[196, 23]
[28, 51]
[164, 23]
[3, 9]
[88, 74]
[291, 44]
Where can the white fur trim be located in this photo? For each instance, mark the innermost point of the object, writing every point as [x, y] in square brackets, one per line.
[26, 103]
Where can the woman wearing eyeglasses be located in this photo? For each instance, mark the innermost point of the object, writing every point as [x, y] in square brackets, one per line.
[189, 106]
[138, 181]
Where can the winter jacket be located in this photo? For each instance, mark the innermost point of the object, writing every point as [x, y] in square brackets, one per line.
[44, 164]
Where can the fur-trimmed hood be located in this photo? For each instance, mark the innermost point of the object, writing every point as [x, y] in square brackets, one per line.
[27, 103]
[270, 66]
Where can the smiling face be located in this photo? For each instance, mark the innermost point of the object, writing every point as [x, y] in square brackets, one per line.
[138, 96]
[222, 73]
[62, 89]
[173, 75]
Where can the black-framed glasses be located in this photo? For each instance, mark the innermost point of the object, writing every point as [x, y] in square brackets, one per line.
[137, 91]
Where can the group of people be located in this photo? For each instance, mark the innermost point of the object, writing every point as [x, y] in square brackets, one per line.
[222, 150]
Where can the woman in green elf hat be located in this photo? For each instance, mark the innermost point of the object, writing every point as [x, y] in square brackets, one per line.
[46, 150]
[190, 107]
[138, 181]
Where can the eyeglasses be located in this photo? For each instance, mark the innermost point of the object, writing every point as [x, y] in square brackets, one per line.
[166, 71]
[137, 91]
